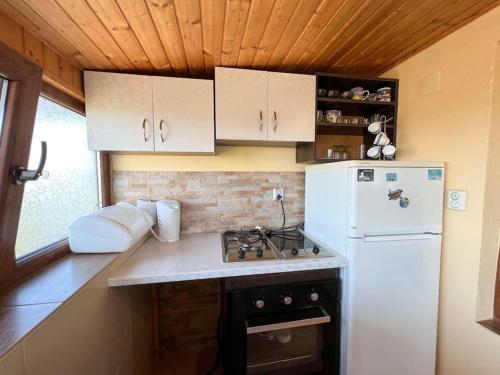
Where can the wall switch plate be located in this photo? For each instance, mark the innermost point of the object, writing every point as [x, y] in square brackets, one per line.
[457, 200]
[278, 191]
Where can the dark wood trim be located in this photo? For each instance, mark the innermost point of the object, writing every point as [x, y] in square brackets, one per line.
[33, 262]
[25, 79]
[106, 178]
[52, 93]
[494, 323]
[155, 325]
[496, 303]
[491, 324]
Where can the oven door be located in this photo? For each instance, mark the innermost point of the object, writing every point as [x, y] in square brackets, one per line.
[291, 342]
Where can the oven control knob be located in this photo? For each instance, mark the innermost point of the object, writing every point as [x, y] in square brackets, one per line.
[316, 249]
[260, 252]
[314, 296]
[241, 254]
[287, 300]
[259, 303]
[295, 251]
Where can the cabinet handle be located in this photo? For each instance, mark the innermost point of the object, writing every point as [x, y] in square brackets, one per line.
[275, 121]
[261, 121]
[163, 138]
[144, 123]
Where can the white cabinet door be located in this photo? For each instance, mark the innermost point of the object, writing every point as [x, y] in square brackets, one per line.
[241, 104]
[119, 111]
[291, 107]
[183, 115]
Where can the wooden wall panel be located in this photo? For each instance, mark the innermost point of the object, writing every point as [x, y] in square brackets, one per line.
[57, 69]
[258, 18]
[212, 13]
[191, 37]
[187, 313]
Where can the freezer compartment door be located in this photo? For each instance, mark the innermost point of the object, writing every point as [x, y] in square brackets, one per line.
[395, 200]
[392, 305]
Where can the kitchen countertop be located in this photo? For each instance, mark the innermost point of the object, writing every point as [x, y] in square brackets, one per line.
[199, 256]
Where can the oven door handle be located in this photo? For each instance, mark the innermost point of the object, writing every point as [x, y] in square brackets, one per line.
[325, 318]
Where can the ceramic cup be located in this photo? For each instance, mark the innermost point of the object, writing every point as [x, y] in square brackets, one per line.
[321, 92]
[333, 93]
[381, 139]
[333, 115]
[373, 152]
[384, 94]
[346, 95]
[389, 150]
[359, 94]
[375, 127]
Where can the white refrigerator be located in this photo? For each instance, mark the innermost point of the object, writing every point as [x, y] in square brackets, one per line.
[386, 218]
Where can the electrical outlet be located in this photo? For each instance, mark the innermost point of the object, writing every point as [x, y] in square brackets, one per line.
[457, 200]
[276, 192]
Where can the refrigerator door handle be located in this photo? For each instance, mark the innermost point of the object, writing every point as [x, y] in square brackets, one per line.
[400, 237]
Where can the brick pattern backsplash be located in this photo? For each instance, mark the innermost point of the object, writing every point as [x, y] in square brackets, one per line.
[213, 201]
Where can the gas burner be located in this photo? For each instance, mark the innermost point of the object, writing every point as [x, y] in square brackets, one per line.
[260, 244]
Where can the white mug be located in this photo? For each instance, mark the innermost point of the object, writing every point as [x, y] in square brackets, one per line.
[373, 152]
[389, 150]
[375, 127]
[381, 139]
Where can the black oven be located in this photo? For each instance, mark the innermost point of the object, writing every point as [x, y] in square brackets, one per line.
[283, 326]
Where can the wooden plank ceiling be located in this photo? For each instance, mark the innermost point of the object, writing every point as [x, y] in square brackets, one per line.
[190, 37]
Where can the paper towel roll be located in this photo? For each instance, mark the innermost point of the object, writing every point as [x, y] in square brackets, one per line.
[169, 219]
[148, 205]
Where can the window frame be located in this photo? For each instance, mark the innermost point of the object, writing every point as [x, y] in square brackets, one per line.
[24, 88]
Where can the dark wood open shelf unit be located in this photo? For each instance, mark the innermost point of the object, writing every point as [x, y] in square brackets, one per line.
[353, 135]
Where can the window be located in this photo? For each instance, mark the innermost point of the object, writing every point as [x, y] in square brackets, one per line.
[3, 95]
[68, 187]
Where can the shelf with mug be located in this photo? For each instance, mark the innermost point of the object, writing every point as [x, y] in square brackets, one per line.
[345, 125]
[328, 134]
[352, 101]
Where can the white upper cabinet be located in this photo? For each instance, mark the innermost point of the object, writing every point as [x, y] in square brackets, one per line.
[240, 104]
[119, 112]
[143, 113]
[291, 107]
[183, 115]
[253, 105]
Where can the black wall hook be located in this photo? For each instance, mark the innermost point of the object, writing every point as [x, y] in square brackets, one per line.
[21, 174]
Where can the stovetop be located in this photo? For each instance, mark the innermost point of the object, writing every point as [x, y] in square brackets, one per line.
[261, 244]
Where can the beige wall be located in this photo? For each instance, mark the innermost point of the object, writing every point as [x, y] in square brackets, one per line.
[235, 159]
[98, 331]
[445, 113]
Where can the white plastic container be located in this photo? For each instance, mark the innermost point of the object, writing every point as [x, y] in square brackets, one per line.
[111, 229]
[169, 219]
